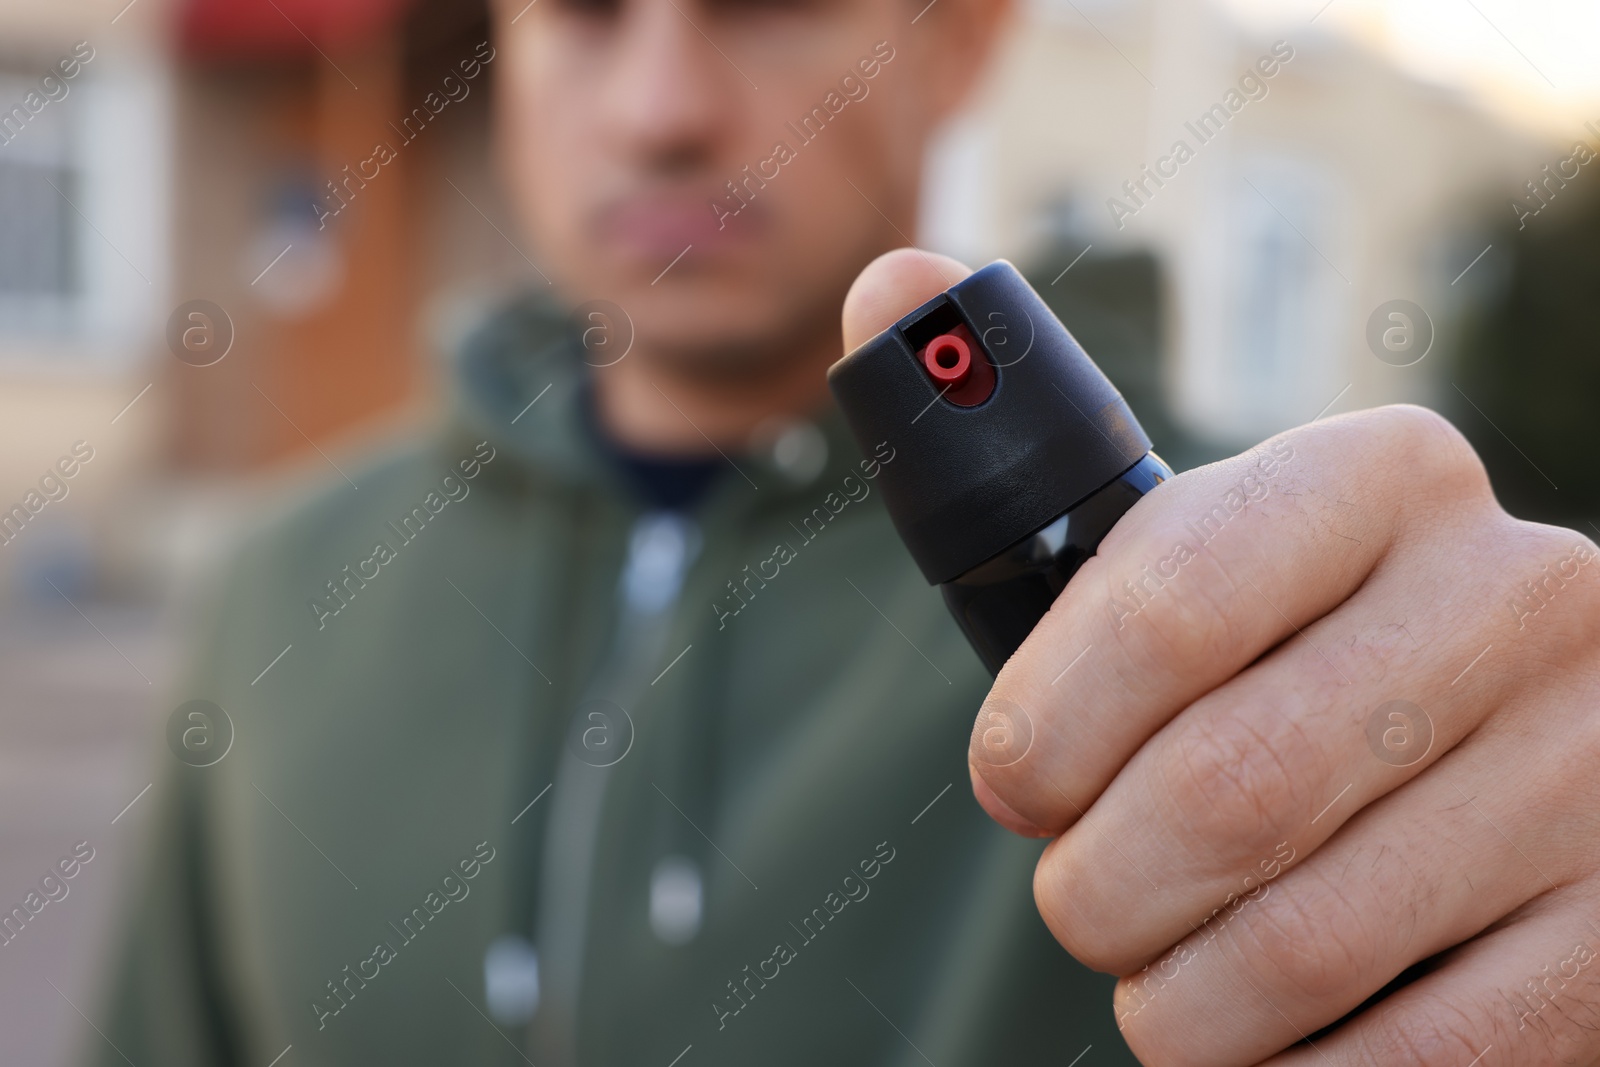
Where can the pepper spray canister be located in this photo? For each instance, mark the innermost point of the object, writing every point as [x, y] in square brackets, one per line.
[1015, 455]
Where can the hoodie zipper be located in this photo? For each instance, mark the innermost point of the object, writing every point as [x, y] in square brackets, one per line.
[662, 546]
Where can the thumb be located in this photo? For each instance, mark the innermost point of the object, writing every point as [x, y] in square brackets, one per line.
[893, 284]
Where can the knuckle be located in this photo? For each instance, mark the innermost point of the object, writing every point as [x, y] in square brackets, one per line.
[1423, 435]
[1404, 460]
[1537, 543]
[1553, 569]
[1308, 939]
[1433, 451]
[1180, 627]
[1428, 1031]
[1234, 780]
[1420, 424]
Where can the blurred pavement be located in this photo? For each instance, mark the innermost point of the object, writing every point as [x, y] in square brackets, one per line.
[75, 748]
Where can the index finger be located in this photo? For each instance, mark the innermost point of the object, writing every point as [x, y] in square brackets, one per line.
[1202, 577]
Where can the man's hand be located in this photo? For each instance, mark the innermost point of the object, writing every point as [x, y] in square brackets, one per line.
[1312, 716]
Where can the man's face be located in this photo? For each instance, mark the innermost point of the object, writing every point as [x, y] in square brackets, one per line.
[622, 122]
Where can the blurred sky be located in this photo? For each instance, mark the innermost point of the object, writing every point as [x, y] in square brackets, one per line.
[1534, 61]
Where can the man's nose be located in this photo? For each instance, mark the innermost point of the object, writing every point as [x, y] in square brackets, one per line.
[672, 94]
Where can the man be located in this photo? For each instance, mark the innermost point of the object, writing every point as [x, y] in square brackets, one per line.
[618, 728]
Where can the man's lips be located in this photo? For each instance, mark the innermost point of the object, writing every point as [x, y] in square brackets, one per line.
[650, 228]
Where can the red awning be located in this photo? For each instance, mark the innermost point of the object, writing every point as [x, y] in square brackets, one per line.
[281, 27]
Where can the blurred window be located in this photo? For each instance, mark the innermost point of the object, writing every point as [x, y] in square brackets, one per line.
[85, 212]
[1287, 293]
[40, 234]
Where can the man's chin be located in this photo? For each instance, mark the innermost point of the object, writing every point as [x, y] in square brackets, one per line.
[722, 356]
[726, 322]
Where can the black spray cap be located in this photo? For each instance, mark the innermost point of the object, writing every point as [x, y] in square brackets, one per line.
[998, 419]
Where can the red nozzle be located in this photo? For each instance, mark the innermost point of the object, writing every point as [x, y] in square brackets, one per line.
[963, 374]
[948, 359]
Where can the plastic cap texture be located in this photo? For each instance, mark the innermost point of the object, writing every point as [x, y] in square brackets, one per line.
[968, 482]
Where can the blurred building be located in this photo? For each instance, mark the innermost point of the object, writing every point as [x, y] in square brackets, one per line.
[184, 163]
[86, 108]
[190, 155]
[1312, 197]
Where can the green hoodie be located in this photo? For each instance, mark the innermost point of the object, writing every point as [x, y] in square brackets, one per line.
[709, 772]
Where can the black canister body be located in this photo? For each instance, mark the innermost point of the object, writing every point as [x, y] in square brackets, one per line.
[1014, 454]
[998, 602]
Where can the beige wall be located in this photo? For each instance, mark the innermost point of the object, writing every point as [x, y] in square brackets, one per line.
[40, 421]
[56, 391]
[29, 24]
[1410, 176]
